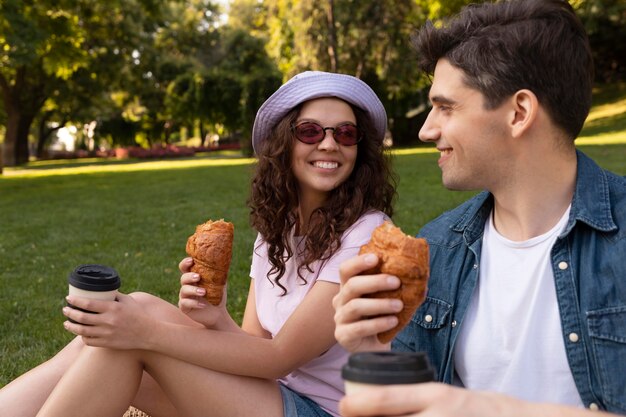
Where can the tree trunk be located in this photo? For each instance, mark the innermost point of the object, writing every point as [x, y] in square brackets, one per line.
[22, 102]
[203, 134]
[167, 131]
[10, 139]
[23, 128]
[45, 133]
[15, 150]
[332, 37]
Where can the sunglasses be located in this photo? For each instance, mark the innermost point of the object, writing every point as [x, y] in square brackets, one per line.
[346, 134]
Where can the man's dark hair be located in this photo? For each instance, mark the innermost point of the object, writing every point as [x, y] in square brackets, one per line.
[539, 45]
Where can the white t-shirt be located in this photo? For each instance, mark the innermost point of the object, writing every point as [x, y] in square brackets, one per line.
[511, 340]
[319, 379]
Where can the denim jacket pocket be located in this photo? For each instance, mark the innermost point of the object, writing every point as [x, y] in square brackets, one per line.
[607, 329]
[418, 334]
[432, 314]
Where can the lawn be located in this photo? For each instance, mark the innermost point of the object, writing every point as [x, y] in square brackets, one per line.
[136, 217]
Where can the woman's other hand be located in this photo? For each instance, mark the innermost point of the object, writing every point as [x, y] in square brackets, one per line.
[120, 324]
[191, 299]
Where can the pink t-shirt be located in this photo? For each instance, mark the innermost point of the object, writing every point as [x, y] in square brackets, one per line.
[320, 379]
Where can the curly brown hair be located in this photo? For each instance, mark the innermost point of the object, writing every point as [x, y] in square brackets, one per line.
[273, 200]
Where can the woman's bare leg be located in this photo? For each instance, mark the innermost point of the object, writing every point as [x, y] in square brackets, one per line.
[104, 382]
[198, 392]
[95, 387]
[25, 395]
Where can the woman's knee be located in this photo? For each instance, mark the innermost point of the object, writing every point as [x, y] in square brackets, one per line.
[160, 308]
[146, 299]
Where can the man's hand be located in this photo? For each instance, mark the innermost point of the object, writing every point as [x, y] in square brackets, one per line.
[440, 400]
[431, 399]
[358, 319]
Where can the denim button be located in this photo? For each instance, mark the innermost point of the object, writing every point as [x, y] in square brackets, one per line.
[563, 265]
[594, 407]
[428, 318]
[573, 337]
[453, 323]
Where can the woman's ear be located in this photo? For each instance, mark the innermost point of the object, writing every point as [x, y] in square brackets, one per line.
[524, 111]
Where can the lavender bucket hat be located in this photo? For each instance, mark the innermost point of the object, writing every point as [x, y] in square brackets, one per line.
[310, 85]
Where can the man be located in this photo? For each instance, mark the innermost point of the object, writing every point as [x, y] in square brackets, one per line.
[526, 306]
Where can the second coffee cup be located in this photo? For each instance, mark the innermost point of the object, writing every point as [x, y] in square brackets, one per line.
[366, 369]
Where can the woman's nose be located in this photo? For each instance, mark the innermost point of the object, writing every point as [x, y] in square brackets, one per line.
[328, 143]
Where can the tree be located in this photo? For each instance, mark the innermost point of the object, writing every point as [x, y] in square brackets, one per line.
[369, 40]
[78, 101]
[29, 63]
[196, 73]
[48, 42]
[605, 21]
[245, 57]
[3, 118]
[227, 72]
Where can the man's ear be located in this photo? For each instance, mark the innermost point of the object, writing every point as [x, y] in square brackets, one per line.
[524, 107]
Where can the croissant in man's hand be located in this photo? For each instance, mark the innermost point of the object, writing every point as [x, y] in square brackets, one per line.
[405, 257]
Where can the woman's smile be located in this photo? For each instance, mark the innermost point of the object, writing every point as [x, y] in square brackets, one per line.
[327, 165]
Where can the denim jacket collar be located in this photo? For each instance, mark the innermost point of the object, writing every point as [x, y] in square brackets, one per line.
[590, 205]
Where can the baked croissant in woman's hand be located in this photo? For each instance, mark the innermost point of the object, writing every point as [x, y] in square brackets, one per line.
[211, 248]
[405, 257]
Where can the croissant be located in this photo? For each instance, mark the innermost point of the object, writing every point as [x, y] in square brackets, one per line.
[405, 257]
[211, 248]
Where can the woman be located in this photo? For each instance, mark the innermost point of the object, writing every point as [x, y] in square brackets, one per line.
[322, 184]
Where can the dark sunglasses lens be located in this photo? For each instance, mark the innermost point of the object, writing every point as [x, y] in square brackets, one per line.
[347, 135]
[309, 132]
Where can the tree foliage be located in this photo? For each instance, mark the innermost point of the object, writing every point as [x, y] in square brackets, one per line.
[143, 69]
[51, 47]
[136, 67]
[227, 73]
[369, 40]
[605, 21]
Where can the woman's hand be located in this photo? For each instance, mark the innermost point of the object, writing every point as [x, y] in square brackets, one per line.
[121, 324]
[191, 299]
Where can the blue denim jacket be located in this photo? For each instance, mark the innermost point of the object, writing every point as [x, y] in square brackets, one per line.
[589, 264]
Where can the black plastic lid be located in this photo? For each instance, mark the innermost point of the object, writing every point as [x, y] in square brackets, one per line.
[388, 368]
[93, 277]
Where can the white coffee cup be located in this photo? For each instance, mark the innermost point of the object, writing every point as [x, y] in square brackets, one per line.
[368, 369]
[94, 281]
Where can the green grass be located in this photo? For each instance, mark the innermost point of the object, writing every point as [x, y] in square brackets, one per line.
[607, 120]
[136, 217]
[138, 222]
